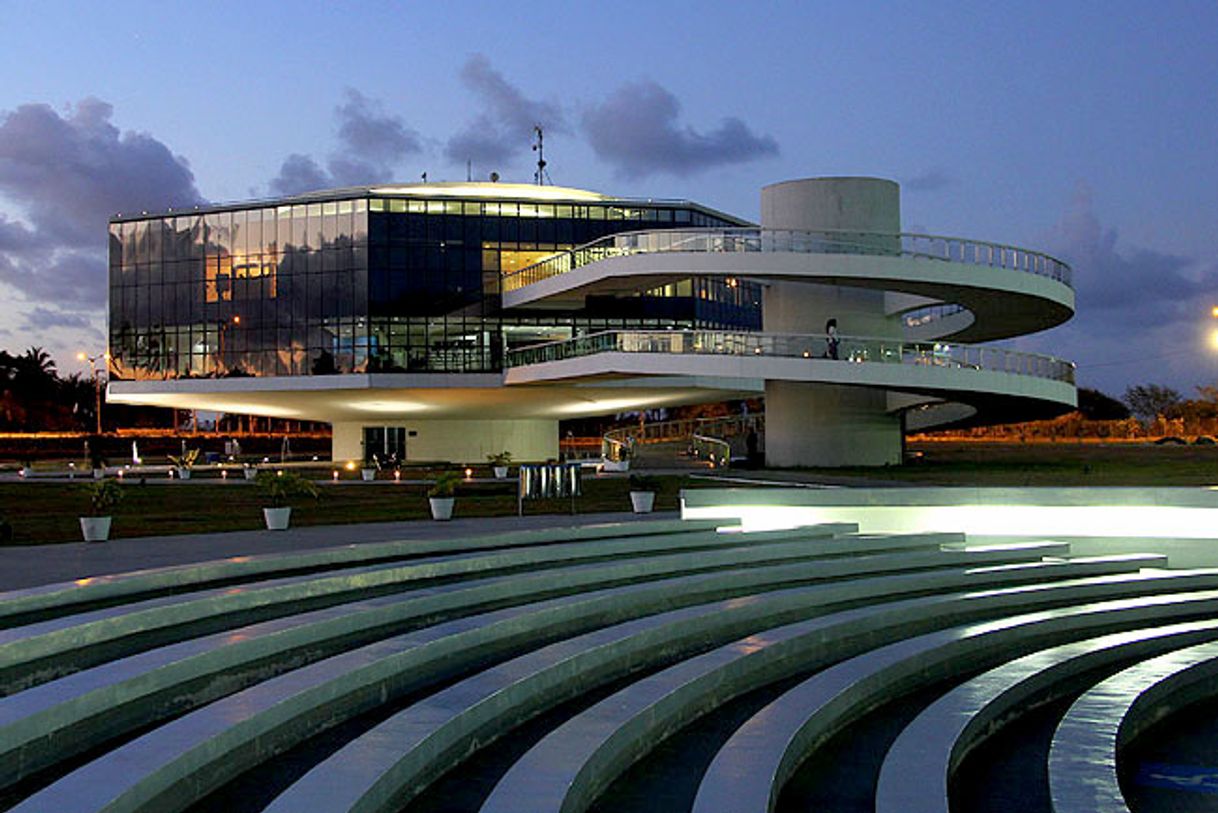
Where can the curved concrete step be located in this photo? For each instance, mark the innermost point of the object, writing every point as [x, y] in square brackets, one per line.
[28, 661]
[760, 757]
[34, 742]
[53, 600]
[585, 753]
[939, 739]
[1085, 747]
[422, 742]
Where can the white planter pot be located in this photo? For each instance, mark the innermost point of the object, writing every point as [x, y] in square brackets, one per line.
[367, 474]
[99, 474]
[277, 519]
[250, 474]
[183, 474]
[442, 507]
[642, 501]
[616, 465]
[501, 472]
[95, 529]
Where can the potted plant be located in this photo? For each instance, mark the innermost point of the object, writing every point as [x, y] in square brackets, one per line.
[250, 472]
[499, 462]
[280, 487]
[368, 472]
[104, 495]
[185, 463]
[441, 495]
[643, 488]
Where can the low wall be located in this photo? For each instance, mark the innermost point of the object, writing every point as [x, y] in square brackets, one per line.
[1044, 512]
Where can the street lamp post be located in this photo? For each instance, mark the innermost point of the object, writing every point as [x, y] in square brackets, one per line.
[96, 382]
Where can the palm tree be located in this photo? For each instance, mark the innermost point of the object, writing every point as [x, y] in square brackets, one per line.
[40, 360]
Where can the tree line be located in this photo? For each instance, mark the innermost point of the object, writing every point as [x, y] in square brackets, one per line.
[34, 397]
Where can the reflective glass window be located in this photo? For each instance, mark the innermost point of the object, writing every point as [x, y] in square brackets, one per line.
[315, 238]
[239, 232]
[300, 227]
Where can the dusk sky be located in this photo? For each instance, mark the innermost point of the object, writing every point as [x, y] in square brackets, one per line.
[1085, 129]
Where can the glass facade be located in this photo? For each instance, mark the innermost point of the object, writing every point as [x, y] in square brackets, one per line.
[315, 286]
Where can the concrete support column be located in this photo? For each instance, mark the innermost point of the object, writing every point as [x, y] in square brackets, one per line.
[818, 424]
[456, 441]
[828, 425]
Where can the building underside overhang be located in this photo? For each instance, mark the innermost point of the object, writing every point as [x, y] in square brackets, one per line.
[372, 398]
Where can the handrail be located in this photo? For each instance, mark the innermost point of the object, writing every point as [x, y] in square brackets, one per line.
[750, 240]
[856, 349]
[628, 436]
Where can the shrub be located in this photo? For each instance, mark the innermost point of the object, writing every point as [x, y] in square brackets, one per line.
[104, 497]
[281, 486]
[445, 484]
[644, 482]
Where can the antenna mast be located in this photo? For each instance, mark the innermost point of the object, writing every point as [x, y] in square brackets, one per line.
[540, 177]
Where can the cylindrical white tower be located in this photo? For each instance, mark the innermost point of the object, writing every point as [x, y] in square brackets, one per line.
[823, 424]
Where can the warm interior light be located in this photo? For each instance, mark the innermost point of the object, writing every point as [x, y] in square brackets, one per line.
[350, 465]
[504, 191]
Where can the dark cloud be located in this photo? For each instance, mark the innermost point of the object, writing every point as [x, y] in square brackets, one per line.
[299, 173]
[930, 181]
[365, 131]
[505, 128]
[1141, 314]
[16, 238]
[1122, 289]
[636, 130]
[371, 144]
[42, 319]
[70, 173]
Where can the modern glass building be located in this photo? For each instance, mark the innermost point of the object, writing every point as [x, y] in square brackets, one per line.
[451, 321]
[331, 305]
[378, 280]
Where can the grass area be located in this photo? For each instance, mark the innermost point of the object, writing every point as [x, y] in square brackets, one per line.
[42, 513]
[1048, 464]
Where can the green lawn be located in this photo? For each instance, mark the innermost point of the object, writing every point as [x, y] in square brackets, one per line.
[47, 512]
[1049, 464]
[42, 512]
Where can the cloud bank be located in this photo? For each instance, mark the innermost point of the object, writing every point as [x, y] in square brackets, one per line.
[504, 128]
[636, 130]
[371, 144]
[1141, 315]
[69, 173]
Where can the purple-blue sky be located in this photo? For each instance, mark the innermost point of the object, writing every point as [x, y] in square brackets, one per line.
[1086, 129]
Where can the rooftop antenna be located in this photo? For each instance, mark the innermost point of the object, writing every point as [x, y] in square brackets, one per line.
[540, 177]
[469, 170]
[424, 177]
